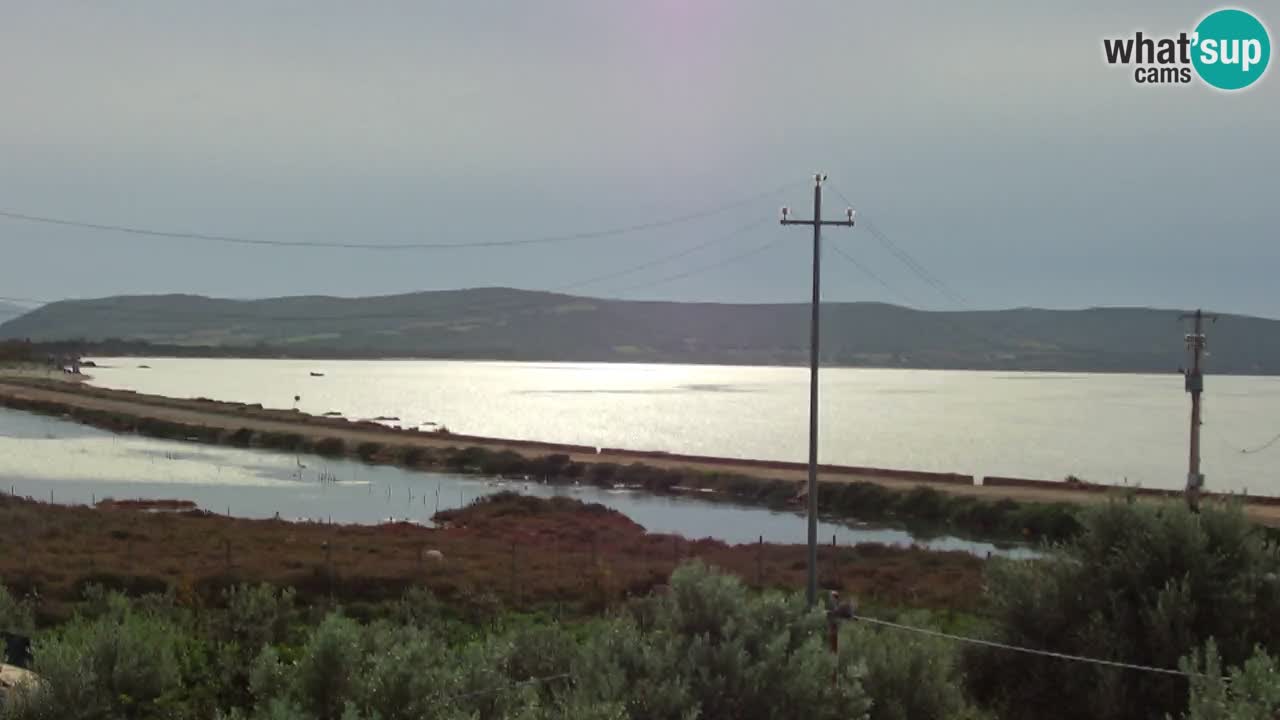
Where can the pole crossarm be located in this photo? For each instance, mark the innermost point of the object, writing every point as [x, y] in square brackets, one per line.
[823, 223]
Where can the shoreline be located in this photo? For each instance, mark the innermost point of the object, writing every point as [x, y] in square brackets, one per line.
[277, 353]
[238, 423]
[799, 365]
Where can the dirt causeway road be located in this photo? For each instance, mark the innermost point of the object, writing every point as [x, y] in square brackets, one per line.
[22, 390]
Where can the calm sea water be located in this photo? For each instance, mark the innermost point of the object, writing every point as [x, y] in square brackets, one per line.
[64, 462]
[1103, 428]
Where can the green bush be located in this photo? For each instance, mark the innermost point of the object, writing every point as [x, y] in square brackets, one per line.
[602, 473]
[709, 649]
[503, 462]
[241, 438]
[412, 456]
[331, 447]
[1249, 692]
[1141, 583]
[256, 617]
[328, 668]
[468, 459]
[709, 646]
[923, 504]
[368, 450]
[130, 666]
[552, 466]
[404, 677]
[908, 677]
[281, 440]
[16, 615]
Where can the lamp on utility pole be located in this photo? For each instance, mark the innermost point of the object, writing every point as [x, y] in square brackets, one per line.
[1195, 385]
[811, 590]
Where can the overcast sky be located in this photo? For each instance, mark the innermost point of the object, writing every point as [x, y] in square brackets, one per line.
[994, 145]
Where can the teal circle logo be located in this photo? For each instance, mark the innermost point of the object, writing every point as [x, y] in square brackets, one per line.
[1231, 49]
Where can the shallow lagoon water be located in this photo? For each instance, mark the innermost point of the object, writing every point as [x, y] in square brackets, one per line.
[1112, 429]
[53, 459]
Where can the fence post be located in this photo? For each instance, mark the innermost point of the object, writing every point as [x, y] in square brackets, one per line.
[835, 562]
[595, 561]
[760, 562]
[515, 582]
[833, 629]
[328, 563]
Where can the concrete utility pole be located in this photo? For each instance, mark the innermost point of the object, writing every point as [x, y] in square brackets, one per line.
[811, 590]
[1195, 386]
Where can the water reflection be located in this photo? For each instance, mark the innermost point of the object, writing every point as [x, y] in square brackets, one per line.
[54, 459]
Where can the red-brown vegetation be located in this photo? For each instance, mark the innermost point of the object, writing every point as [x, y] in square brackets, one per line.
[519, 550]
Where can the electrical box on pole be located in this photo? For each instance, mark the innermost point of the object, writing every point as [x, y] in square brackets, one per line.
[1194, 384]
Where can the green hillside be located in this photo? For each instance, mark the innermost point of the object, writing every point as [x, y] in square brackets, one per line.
[499, 323]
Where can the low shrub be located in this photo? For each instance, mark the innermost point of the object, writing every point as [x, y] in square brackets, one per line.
[411, 456]
[368, 450]
[240, 438]
[16, 614]
[331, 447]
[281, 441]
[128, 664]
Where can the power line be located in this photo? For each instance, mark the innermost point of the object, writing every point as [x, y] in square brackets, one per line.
[915, 266]
[756, 250]
[665, 258]
[465, 306]
[1029, 651]
[868, 272]
[1245, 451]
[1264, 446]
[548, 239]
[936, 318]
[918, 268]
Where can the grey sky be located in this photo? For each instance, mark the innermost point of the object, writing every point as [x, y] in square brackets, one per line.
[991, 142]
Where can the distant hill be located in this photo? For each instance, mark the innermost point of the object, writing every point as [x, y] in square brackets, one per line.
[499, 323]
[9, 311]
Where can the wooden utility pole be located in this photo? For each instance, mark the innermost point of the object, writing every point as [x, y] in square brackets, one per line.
[1195, 385]
[811, 591]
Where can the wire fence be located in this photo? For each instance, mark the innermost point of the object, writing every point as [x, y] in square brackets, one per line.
[1026, 650]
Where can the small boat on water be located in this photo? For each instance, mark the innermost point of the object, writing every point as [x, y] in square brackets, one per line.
[316, 374]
